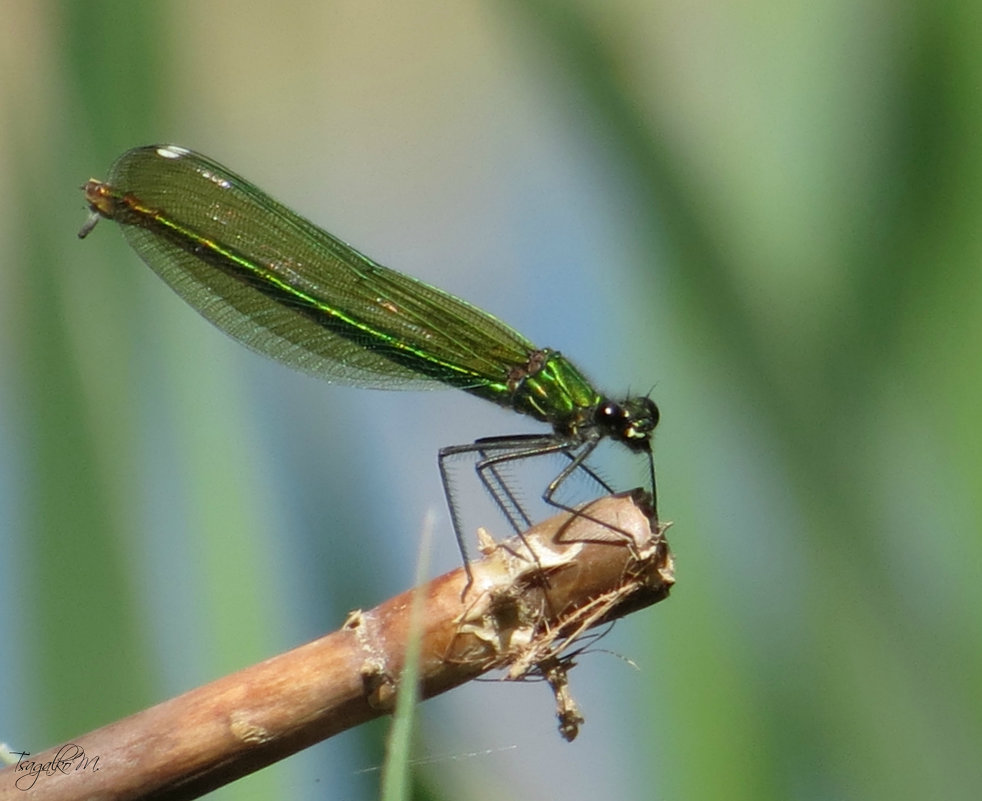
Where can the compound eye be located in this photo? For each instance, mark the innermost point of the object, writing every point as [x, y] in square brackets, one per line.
[610, 413]
[651, 409]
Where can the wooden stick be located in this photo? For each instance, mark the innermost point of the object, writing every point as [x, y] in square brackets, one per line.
[530, 600]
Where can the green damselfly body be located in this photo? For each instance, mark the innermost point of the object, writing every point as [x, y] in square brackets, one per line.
[288, 289]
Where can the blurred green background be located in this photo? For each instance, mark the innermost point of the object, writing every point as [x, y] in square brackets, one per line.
[769, 212]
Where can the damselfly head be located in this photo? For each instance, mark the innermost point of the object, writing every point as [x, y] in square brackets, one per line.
[630, 421]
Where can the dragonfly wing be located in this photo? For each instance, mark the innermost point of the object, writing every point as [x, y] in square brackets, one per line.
[288, 289]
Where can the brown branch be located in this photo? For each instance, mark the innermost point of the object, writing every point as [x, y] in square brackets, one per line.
[520, 614]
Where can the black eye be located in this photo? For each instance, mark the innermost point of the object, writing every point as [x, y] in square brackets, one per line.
[610, 412]
[651, 411]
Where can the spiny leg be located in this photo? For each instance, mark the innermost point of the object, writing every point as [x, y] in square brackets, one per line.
[577, 453]
[516, 447]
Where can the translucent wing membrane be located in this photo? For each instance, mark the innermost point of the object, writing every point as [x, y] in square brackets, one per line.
[286, 288]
